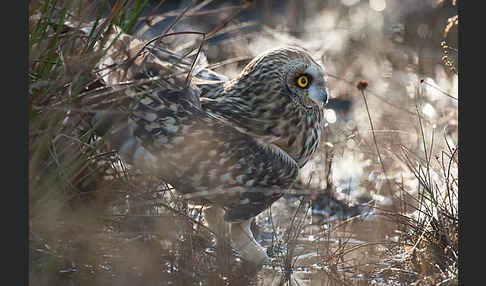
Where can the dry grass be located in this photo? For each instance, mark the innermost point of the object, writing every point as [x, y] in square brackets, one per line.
[387, 167]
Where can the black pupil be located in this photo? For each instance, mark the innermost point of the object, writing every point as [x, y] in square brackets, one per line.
[303, 80]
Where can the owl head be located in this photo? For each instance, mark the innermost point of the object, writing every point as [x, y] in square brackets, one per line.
[287, 73]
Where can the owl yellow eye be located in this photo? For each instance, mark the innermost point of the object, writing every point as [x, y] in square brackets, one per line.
[303, 81]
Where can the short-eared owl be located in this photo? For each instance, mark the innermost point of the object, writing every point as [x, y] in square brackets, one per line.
[236, 144]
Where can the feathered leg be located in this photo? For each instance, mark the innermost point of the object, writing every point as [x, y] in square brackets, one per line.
[215, 222]
[238, 233]
[243, 240]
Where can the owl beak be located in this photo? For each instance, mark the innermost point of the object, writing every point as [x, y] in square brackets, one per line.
[324, 97]
[318, 96]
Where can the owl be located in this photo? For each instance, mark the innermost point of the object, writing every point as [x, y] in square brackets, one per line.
[235, 145]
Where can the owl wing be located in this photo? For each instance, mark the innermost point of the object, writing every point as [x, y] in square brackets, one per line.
[202, 156]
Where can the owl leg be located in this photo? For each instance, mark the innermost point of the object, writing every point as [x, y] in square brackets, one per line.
[238, 233]
[214, 217]
[243, 240]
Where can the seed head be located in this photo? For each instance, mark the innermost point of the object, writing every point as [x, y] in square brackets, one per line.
[362, 84]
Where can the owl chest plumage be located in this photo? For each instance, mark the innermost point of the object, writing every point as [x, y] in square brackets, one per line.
[302, 140]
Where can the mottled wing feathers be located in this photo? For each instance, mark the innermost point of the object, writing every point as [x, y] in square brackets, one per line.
[203, 157]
